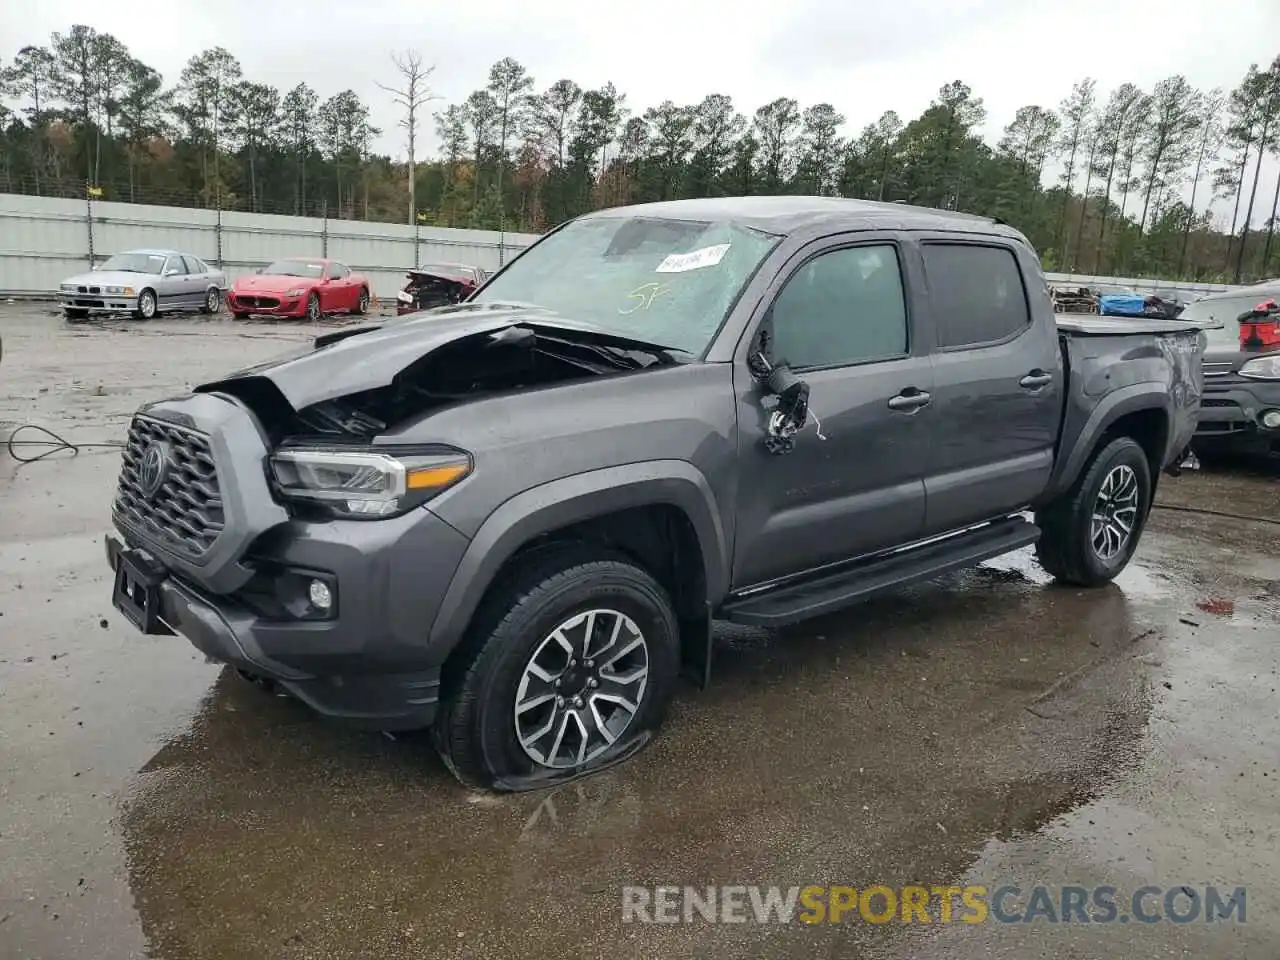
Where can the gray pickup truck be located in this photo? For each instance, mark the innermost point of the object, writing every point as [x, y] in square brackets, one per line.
[513, 520]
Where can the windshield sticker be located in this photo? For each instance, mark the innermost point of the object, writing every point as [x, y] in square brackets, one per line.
[644, 295]
[694, 260]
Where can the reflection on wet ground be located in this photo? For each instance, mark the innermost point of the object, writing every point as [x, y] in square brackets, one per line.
[986, 728]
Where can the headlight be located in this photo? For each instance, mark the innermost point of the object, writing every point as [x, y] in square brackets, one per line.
[367, 484]
[115, 290]
[404, 296]
[295, 293]
[1263, 368]
[69, 287]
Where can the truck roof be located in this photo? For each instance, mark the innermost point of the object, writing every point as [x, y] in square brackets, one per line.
[787, 214]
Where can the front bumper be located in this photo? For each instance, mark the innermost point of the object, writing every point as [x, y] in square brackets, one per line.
[243, 600]
[1231, 413]
[267, 304]
[360, 668]
[104, 303]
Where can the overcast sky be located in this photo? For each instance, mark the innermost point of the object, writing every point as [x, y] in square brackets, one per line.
[864, 56]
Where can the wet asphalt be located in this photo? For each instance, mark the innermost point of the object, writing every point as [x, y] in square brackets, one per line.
[988, 728]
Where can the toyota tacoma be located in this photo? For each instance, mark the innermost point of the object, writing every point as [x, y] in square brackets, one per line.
[513, 520]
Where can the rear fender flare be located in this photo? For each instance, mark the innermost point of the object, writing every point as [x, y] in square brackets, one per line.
[570, 500]
[1126, 400]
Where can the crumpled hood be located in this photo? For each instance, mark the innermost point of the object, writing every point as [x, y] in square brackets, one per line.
[109, 278]
[366, 358]
[271, 283]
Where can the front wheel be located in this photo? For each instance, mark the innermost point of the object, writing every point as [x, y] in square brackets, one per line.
[74, 315]
[1090, 534]
[570, 662]
[146, 309]
[313, 308]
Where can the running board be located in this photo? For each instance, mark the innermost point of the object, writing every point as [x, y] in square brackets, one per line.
[824, 593]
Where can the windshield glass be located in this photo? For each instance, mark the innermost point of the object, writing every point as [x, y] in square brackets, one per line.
[666, 281]
[296, 268]
[135, 263]
[1225, 311]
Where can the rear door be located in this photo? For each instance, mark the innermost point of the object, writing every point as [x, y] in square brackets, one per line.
[998, 380]
[838, 313]
[197, 280]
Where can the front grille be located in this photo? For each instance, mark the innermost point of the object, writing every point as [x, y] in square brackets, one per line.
[259, 301]
[185, 513]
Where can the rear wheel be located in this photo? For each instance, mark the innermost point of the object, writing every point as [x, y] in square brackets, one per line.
[146, 309]
[73, 314]
[212, 300]
[570, 659]
[313, 308]
[362, 303]
[1090, 534]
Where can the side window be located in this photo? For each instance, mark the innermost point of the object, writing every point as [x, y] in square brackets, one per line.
[337, 271]
[194, 265]
[175, 263]
[977, 293]
[844, 306]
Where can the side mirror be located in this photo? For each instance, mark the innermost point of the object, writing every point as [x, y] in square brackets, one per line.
[259, 270]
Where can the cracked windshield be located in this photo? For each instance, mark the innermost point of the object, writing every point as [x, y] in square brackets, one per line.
[669, 282]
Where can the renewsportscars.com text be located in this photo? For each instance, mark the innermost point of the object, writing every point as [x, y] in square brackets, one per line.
[879, 904]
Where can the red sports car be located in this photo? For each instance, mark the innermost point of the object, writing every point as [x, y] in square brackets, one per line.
[300, 287]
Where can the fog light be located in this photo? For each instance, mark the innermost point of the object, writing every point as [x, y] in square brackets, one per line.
[319, 595]
[1271, 419]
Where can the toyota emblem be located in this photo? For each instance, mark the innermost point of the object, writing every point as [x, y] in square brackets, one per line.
[154, 468]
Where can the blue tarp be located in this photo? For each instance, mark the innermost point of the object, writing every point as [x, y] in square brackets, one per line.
[1122, 305]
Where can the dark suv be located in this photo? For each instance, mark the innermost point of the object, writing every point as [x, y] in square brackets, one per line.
[1241, 407]
[513, 519]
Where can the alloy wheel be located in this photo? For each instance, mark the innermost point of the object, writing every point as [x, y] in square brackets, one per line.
[1115, 513]
[581, 688]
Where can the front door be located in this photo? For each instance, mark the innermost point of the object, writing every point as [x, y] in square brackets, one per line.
[853, 484]
[998, 381]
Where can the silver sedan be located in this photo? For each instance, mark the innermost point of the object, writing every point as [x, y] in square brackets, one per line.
[144, 283]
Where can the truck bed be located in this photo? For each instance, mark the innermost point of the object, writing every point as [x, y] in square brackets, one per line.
[1108, 360]
[1092, 325]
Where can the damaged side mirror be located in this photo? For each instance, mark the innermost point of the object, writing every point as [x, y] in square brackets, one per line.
[784, 395]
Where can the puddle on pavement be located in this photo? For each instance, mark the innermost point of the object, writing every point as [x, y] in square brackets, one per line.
[890, 744]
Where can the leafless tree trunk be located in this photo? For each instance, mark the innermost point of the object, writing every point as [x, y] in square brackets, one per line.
[412, 94]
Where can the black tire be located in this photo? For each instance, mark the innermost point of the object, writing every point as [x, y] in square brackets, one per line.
[362, 304]
[1066, 547]
[475, 731]
[147, 306]
[73, 315]
[313, 308]
[212, 301]
[239, 316]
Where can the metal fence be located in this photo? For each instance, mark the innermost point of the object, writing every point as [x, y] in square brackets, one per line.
[46, 239]
[43, 240]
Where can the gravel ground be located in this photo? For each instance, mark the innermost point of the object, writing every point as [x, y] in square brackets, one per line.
[987, 728]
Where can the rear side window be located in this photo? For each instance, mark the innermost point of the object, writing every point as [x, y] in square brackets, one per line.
[337, 271]
[194, 265]
[842, 307]
[977, 293]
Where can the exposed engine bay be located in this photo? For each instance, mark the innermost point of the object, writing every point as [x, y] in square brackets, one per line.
[510, 359]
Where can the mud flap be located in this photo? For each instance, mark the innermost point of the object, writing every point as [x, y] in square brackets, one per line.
[695, 649]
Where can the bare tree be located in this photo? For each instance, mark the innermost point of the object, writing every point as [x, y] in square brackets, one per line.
[412, 94]
[1209, 142]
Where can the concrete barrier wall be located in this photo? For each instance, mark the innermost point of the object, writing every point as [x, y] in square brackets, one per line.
[45, 239]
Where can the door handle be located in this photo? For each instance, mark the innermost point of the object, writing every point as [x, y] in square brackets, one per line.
[1036, 379]
[909, 400]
